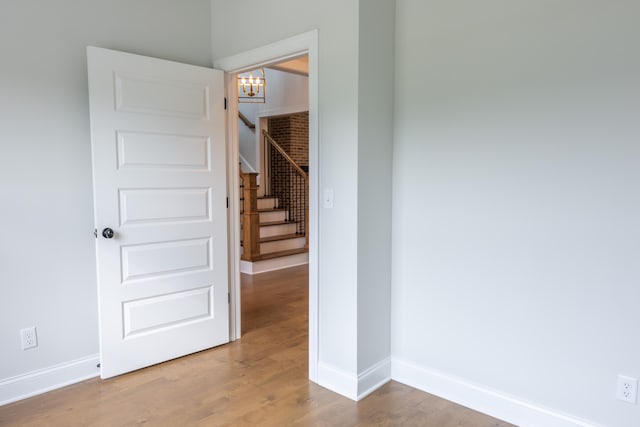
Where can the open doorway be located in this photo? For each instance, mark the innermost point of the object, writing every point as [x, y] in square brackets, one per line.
[263, 57]
[273, 149]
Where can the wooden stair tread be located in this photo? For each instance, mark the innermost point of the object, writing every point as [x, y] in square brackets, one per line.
[281, 237]
[280, 254]
[272, 210]
[267, 224]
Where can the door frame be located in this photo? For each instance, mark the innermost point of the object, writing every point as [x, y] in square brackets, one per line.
[305, 43]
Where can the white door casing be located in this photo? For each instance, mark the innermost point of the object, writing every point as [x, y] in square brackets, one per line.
[159, 172]
[305, 43]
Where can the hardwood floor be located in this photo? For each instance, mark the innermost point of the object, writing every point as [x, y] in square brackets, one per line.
[260, 380]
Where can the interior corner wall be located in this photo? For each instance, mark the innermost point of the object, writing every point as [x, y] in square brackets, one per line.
[516, 198]
[336, 21]
[47, 256]
[375, 136]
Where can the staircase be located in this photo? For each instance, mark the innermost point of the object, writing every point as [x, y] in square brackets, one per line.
[273, 231]
[278, 236]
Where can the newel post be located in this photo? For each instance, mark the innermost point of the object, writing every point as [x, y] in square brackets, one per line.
[251, 218]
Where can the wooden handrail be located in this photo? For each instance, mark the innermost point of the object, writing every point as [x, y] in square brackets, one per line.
[275, 145]
[246, 121]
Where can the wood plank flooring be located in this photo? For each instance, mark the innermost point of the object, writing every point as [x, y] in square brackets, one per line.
[260, 380]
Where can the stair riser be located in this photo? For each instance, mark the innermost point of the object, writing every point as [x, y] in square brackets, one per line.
[277, 230]
[282, 245]
[273, 216]
[269, 203]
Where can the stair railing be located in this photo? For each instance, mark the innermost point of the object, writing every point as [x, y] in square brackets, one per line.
[246, 121]
[288, 182]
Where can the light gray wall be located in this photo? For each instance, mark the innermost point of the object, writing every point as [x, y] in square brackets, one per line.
[338, 143]
[47, 257]
[516, 198]
[247, 137]
[375, 137]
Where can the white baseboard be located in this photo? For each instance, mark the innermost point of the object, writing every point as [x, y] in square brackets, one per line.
[352, 386]
[273, 264]
[481, 399]
[338, 380]
[47, 379]
[374, 378]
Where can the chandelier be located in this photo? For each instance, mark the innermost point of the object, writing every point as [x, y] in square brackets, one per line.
[252, 89]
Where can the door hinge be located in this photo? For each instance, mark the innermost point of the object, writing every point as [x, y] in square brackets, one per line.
[227, 203]
[225, 103]
[228, 298]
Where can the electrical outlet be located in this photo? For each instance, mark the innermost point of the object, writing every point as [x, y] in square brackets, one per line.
[29, 337]
[627, 390]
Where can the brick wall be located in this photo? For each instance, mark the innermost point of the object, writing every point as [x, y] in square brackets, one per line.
[292, 133]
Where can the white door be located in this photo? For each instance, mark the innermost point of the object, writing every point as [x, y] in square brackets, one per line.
[157, 135]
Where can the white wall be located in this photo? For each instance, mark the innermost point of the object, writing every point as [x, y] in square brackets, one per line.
[47, 257]
[516, 199]
[286, 93]
[247, 137]
[375, 137]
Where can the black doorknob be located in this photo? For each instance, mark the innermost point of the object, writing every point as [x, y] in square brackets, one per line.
[107, 233]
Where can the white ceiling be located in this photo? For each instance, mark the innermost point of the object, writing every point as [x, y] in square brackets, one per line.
[297, 66]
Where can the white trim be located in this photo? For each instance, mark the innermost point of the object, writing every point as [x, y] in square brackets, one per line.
[352, 386]
[233, 213]
[263, 266]
[47, 379]
[481, 398]
[306, 43]
[281, 111]
[246, 166]
[262, 56]
[338, 380]
[374, 378]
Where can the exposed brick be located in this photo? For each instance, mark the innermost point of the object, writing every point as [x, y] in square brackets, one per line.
[292, 133]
